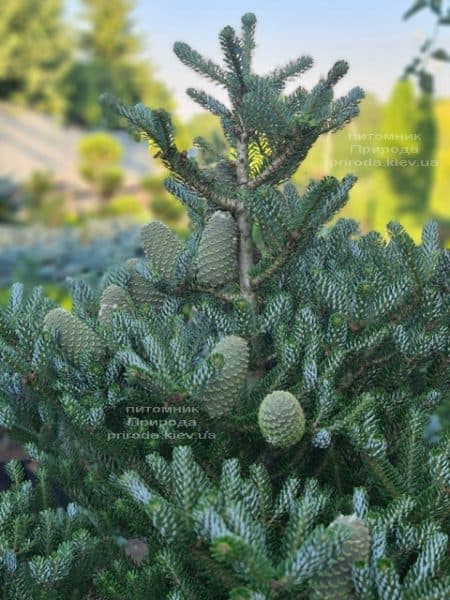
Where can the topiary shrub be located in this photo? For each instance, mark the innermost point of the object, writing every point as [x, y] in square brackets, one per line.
[43, 202]
[126, 206]
[100, 154]
[153, 184]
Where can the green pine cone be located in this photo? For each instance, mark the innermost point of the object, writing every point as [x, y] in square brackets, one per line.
[216, 259]
[225, 387]
[114, 298]
[281, 419]
[141, 291]
[337, 582]
[74, 336]
[162, 247]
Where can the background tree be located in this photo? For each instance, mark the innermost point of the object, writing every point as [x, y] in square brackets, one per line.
[110, 59]
[34, 53]
[409, 134]
[426, 129]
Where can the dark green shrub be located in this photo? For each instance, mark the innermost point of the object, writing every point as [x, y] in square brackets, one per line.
[8, 205]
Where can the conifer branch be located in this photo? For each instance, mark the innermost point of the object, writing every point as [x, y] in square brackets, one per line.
[183, 408]
[192, 177]
[275, 165]
[277, 263]
[157, 126]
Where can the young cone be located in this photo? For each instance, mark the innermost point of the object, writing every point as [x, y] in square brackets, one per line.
[281, 419]
[74, 336]
[217, 253]
[337, 582]
[224, 389]
[140, 289]
[162, 247]
[114, 299]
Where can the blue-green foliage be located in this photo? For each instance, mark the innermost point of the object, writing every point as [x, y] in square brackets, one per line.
[46, 256]
[354, 326]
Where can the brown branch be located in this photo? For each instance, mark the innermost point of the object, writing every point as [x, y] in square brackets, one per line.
[221, 295]
[349, 380]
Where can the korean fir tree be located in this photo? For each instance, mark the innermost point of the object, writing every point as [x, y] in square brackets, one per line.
[245, 410]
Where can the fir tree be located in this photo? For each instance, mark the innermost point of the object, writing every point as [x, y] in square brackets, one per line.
[409, 128]
[34, 54]
[110, 60]
[245, 418]
[427, 130]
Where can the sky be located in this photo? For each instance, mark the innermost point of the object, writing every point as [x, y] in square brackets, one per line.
[370, 35]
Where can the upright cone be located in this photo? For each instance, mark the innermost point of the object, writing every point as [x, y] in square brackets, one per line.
[216, 259]
[141, 291]
[337, 582]
[74, 336]
[224, 388]
[281, 419]
[114, 299]
[162, 248]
